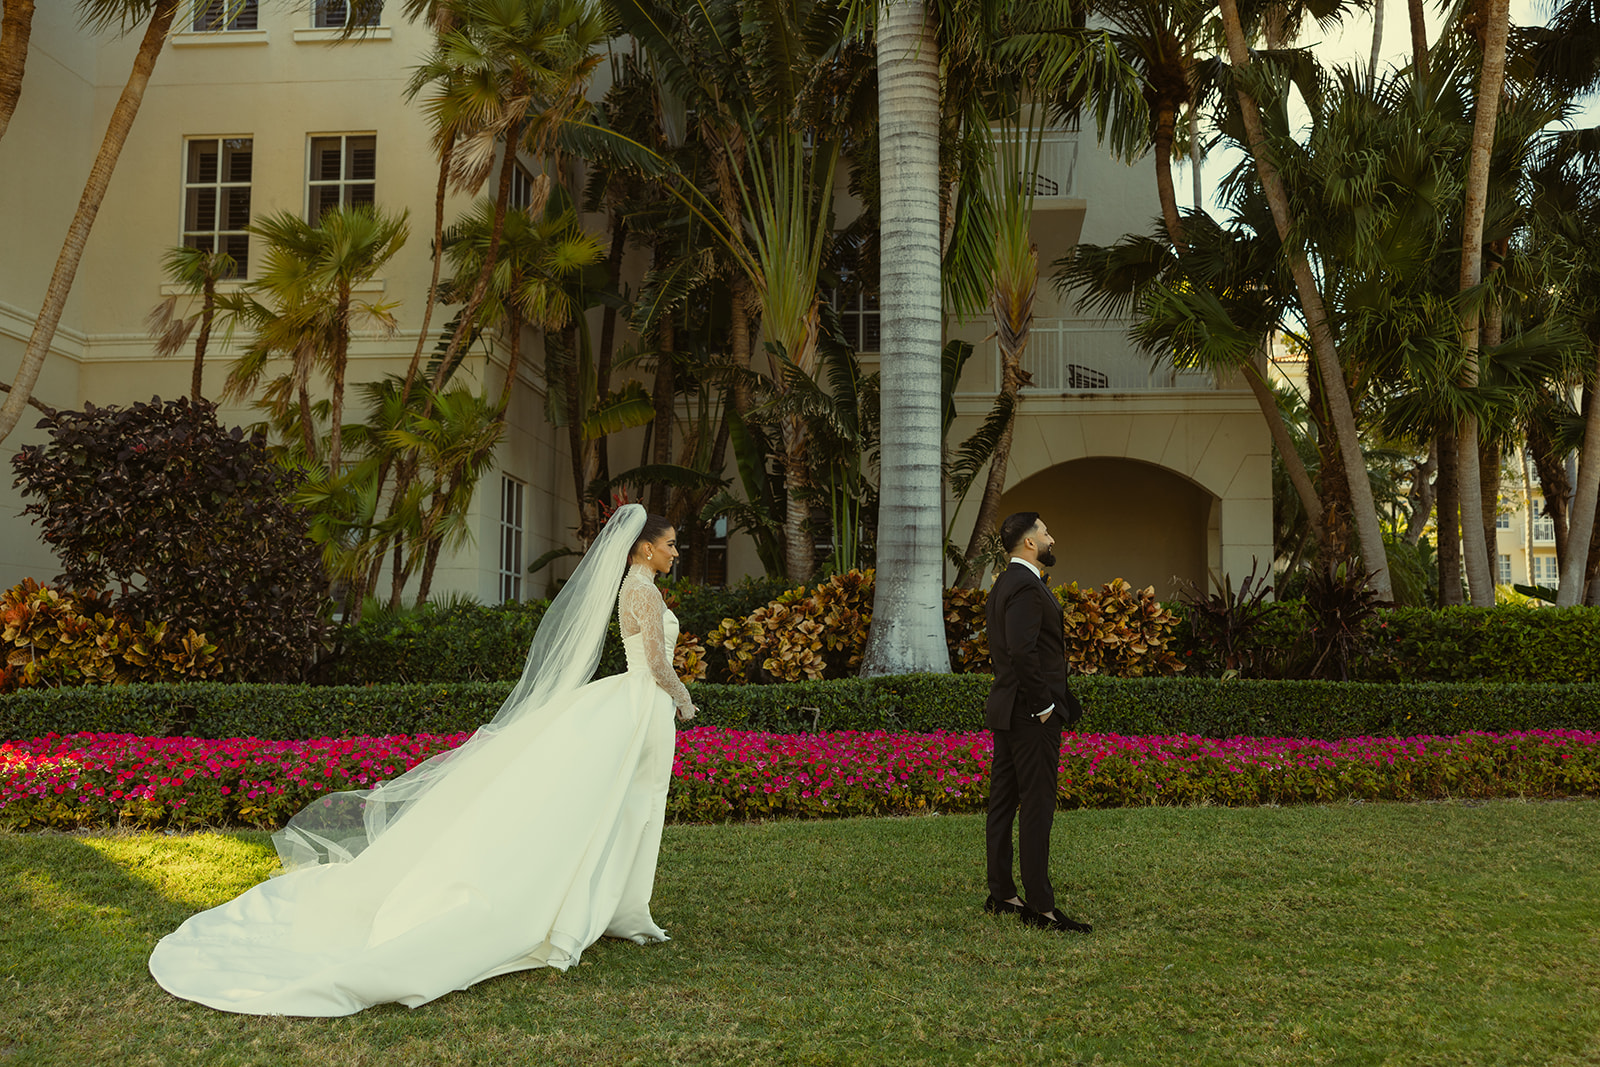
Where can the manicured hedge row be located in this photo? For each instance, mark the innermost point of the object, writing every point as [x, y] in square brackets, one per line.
[922, 703]
[1460, 644]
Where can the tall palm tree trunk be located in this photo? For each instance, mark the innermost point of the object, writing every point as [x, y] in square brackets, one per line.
[1489, 492]
[664, 396]
[608, 332]
[1480, 580]
[438, 257]
[1342, 411]
[341, 361]
[1419, 37]
[16, 27]
[1377, 37]
[1299, 477]
[1580, 527]
[94, 192]
[208, 314]
[480, 289]
[1448, 502]
[1013, 323]
[799, 550]
[1165, 132]
[907, 633]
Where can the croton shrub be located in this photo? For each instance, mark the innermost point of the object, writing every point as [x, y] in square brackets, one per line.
[822, 632]
[50, 638]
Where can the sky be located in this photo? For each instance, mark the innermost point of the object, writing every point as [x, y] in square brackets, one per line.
[1352, 41]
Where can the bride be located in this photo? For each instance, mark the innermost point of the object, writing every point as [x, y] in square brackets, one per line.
[518, 849]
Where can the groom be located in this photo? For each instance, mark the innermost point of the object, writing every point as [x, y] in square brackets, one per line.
[1029, 706]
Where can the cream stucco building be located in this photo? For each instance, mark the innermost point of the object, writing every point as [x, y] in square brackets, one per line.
[1143, 474]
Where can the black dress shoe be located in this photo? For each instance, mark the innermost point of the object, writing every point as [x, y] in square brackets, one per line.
[1060, 924]
[1003, 907]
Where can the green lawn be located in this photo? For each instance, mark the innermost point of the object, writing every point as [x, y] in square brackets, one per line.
[1353, 934]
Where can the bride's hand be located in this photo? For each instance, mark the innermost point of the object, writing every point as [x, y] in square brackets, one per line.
[685, 714]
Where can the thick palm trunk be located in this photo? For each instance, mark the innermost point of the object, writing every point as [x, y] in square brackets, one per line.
[799, 552]
[1166, 128]
[1580, 529]
[1449, 504]
[94, 192]
[1341, 410]
[308, 432]
[1480, 580]
[907, 633]
[16, 27]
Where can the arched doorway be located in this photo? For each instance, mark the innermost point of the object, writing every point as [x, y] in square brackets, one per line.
[1122, 518]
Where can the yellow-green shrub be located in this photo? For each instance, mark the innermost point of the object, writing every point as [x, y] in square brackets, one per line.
[48, 638]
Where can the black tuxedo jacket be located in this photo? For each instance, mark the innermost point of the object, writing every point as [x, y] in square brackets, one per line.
[1027, 648]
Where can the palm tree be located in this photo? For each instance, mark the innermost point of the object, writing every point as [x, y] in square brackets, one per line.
[519, 68]
[310, 274]
[1337, 394]
[16, 26]
[197, 270]
[531, 283]
[1009, 190]
[1480, 578]
[98, 13]
[907, 632]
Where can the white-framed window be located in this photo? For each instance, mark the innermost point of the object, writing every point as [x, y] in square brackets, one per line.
[337, 14]
[1505, 569]
[216, 197]
[211, 16]
[511, 531]
[1545, 572]
[521, 186]
[858, 315]
[343, 172]
[1544, 530]
[1502, 521]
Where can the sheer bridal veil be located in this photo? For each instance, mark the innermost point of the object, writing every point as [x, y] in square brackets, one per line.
[563, 656]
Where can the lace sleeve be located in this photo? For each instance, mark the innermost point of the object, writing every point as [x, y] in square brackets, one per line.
[641, 610]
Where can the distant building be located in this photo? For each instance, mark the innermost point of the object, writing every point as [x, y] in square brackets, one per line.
[1141, 472]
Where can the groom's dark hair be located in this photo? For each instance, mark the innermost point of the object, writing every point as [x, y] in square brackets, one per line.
[1015, 528]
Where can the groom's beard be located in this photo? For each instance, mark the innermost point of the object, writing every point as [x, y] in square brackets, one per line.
[1047, 558]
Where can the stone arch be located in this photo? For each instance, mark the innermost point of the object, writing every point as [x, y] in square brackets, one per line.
[1114, 517]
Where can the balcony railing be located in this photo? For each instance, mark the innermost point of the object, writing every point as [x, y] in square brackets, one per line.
[1075, 356]
[1055, 172]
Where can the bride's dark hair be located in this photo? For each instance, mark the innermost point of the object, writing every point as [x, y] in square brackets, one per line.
[654, 526]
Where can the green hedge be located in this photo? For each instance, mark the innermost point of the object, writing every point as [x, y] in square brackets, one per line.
[1207, 707]
[489, 643]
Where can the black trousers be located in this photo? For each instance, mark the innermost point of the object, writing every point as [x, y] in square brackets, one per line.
[1023, 779]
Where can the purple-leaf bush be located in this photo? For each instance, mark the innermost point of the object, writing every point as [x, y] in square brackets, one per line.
[99, 780]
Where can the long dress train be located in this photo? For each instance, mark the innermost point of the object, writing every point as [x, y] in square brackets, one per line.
[528, 852]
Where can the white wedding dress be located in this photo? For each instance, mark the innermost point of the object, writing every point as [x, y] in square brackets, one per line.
[526, 853]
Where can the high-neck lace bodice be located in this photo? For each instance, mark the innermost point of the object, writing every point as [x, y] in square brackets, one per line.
[650, 632]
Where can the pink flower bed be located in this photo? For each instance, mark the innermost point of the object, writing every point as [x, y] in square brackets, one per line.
[181, 782]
